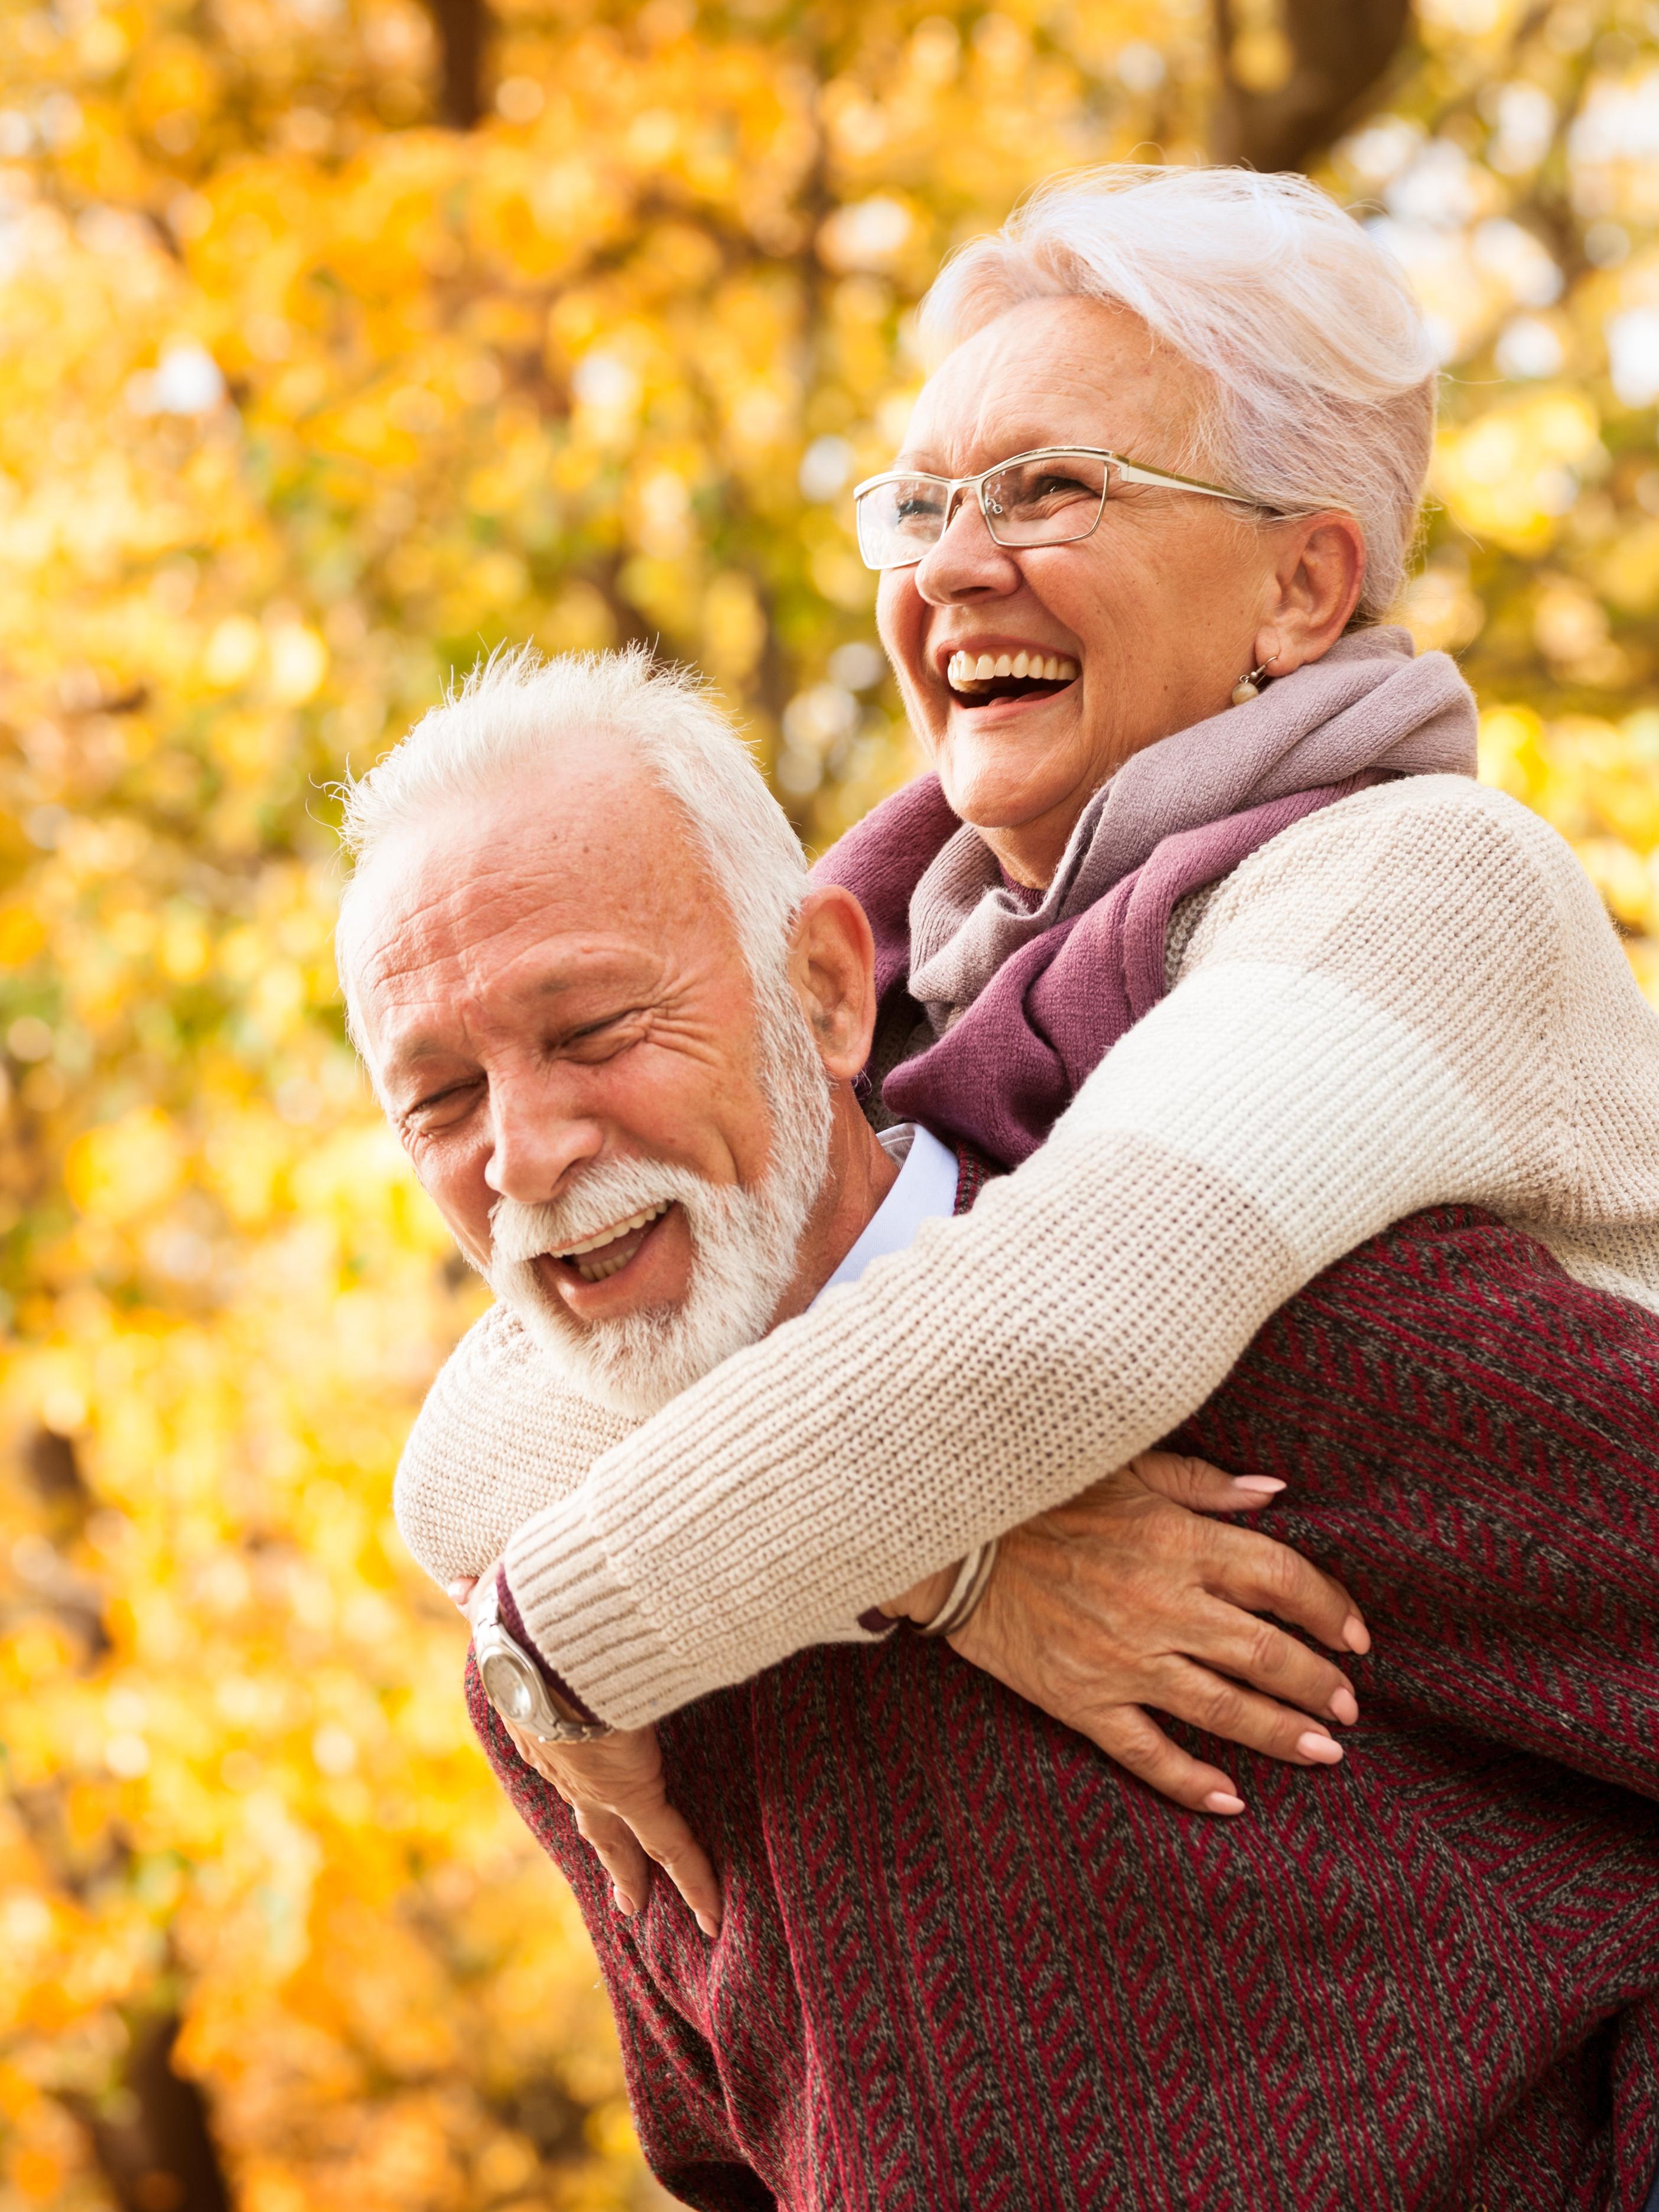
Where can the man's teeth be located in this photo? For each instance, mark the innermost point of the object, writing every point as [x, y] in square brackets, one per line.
[601, 1271]
[967, 669]
[595, 1271]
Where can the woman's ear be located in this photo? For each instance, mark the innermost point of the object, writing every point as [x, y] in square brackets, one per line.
[1319, 574]
[832, 971]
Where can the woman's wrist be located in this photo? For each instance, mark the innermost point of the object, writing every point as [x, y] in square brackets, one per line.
[921, 1601]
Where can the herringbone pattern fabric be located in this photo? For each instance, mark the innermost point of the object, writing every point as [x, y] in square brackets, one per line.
[970, 1967]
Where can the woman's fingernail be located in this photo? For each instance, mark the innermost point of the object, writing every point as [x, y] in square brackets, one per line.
[1262, 1485]
[1345, 1706]
[710, 1925]
[1223, 1801]
[1325, 1749]
[1355, 1634]
[624, 1902]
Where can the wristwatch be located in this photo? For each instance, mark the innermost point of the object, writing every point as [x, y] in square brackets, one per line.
[516, 1685]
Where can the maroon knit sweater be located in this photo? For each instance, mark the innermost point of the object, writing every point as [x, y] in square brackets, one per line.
[968, 1964]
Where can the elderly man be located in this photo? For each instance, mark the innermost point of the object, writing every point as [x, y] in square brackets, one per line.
[964, 1961]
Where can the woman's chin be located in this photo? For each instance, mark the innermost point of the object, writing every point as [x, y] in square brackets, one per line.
[995, 787]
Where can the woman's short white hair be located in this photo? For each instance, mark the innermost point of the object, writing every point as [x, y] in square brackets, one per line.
[1321, 369]
[509, 722]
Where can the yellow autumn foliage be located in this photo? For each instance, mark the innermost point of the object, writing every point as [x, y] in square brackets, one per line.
[305, 401]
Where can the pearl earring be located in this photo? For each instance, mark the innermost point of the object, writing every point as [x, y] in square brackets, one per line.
[1250, 688]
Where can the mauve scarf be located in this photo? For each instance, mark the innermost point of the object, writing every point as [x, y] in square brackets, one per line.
[1025, 1002]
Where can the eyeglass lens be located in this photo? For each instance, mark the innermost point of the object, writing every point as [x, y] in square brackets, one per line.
[1037, 502]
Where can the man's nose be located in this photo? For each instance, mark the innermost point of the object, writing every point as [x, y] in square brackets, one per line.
[967, 562]
[536, 1139]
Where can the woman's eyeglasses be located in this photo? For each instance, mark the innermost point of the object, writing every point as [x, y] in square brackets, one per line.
[1048, 497]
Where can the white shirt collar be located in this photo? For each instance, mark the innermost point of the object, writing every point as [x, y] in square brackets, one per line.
[925, 1190]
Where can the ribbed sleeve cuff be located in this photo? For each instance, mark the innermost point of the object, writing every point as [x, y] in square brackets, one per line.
[593, 1642]
[585, 1624]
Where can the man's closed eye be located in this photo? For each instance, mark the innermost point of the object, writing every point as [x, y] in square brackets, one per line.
[439, 1108]
[601, 1040]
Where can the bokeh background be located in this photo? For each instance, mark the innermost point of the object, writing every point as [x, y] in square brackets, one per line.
[339, 340]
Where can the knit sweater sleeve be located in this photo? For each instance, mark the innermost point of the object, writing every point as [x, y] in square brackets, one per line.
[1412, 998]
[498, 1438]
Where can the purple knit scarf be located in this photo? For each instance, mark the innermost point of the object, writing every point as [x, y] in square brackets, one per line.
[1025, 1002]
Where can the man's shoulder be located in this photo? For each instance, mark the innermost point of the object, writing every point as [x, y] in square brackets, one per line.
[973, 1171]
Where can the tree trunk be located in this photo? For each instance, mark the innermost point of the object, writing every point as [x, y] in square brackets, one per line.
[162, 2158]
[463, 27]
[1341, 50]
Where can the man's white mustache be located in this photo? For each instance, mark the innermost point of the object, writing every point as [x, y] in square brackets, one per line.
[608, 1196]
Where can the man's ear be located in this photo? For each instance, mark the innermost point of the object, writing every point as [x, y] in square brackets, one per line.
[1319, 574]
[832, 971]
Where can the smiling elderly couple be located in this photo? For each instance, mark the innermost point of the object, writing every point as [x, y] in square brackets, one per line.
[1197, 1072]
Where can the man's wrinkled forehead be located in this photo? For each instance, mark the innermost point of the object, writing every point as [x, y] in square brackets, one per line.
[457, 903]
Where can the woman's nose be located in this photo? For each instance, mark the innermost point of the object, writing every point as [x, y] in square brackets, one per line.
[967, 562]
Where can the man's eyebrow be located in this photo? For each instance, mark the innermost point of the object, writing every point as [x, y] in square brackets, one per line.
[408, 1056]
[623, 996]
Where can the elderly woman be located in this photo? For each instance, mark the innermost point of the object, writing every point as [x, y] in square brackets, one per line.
[1202, 928]
[1155, 500]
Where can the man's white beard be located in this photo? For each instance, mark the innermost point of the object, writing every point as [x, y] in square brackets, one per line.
[744, 1242]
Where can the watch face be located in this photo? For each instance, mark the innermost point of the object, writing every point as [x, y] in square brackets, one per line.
[510, 1684]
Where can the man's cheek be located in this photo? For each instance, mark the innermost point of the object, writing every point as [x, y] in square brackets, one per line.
[461, 1196]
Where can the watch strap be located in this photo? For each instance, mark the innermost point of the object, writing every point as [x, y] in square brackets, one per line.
[565, 1698]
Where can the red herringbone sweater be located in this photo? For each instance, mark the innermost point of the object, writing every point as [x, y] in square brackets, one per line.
[969, 1966]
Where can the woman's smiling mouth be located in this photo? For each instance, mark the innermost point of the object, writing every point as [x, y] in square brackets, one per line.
[976, 679]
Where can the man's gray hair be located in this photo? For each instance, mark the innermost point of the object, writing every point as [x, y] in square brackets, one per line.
[1320, 367]
[510, 722]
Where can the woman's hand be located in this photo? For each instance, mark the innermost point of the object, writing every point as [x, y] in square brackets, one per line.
[1126, 1597]
[614, 1786]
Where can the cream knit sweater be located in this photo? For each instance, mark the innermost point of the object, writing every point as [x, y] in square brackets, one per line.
[1411, 998]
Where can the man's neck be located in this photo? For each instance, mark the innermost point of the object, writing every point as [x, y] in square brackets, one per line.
[860, 1173]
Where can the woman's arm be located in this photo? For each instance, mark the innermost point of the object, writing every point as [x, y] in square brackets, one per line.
[1410, 998]
[498, 1438]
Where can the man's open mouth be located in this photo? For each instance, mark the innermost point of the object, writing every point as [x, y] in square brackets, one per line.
[976, 678]
[596, 1258]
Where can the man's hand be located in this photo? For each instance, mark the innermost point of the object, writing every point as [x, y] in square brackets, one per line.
[1127, 1598]
[614, 1786]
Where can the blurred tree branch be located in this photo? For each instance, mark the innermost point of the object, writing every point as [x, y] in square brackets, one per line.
[157, 2150]
[462, 28]
[1340, 54]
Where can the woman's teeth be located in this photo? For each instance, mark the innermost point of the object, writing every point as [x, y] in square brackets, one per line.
[597, 1271]
[966, 670]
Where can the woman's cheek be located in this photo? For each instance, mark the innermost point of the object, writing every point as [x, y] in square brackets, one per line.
[901, 625]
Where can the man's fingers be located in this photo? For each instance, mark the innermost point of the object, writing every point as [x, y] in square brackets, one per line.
[1263, 1577]
[1200, 1487]
[1134, 1740]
